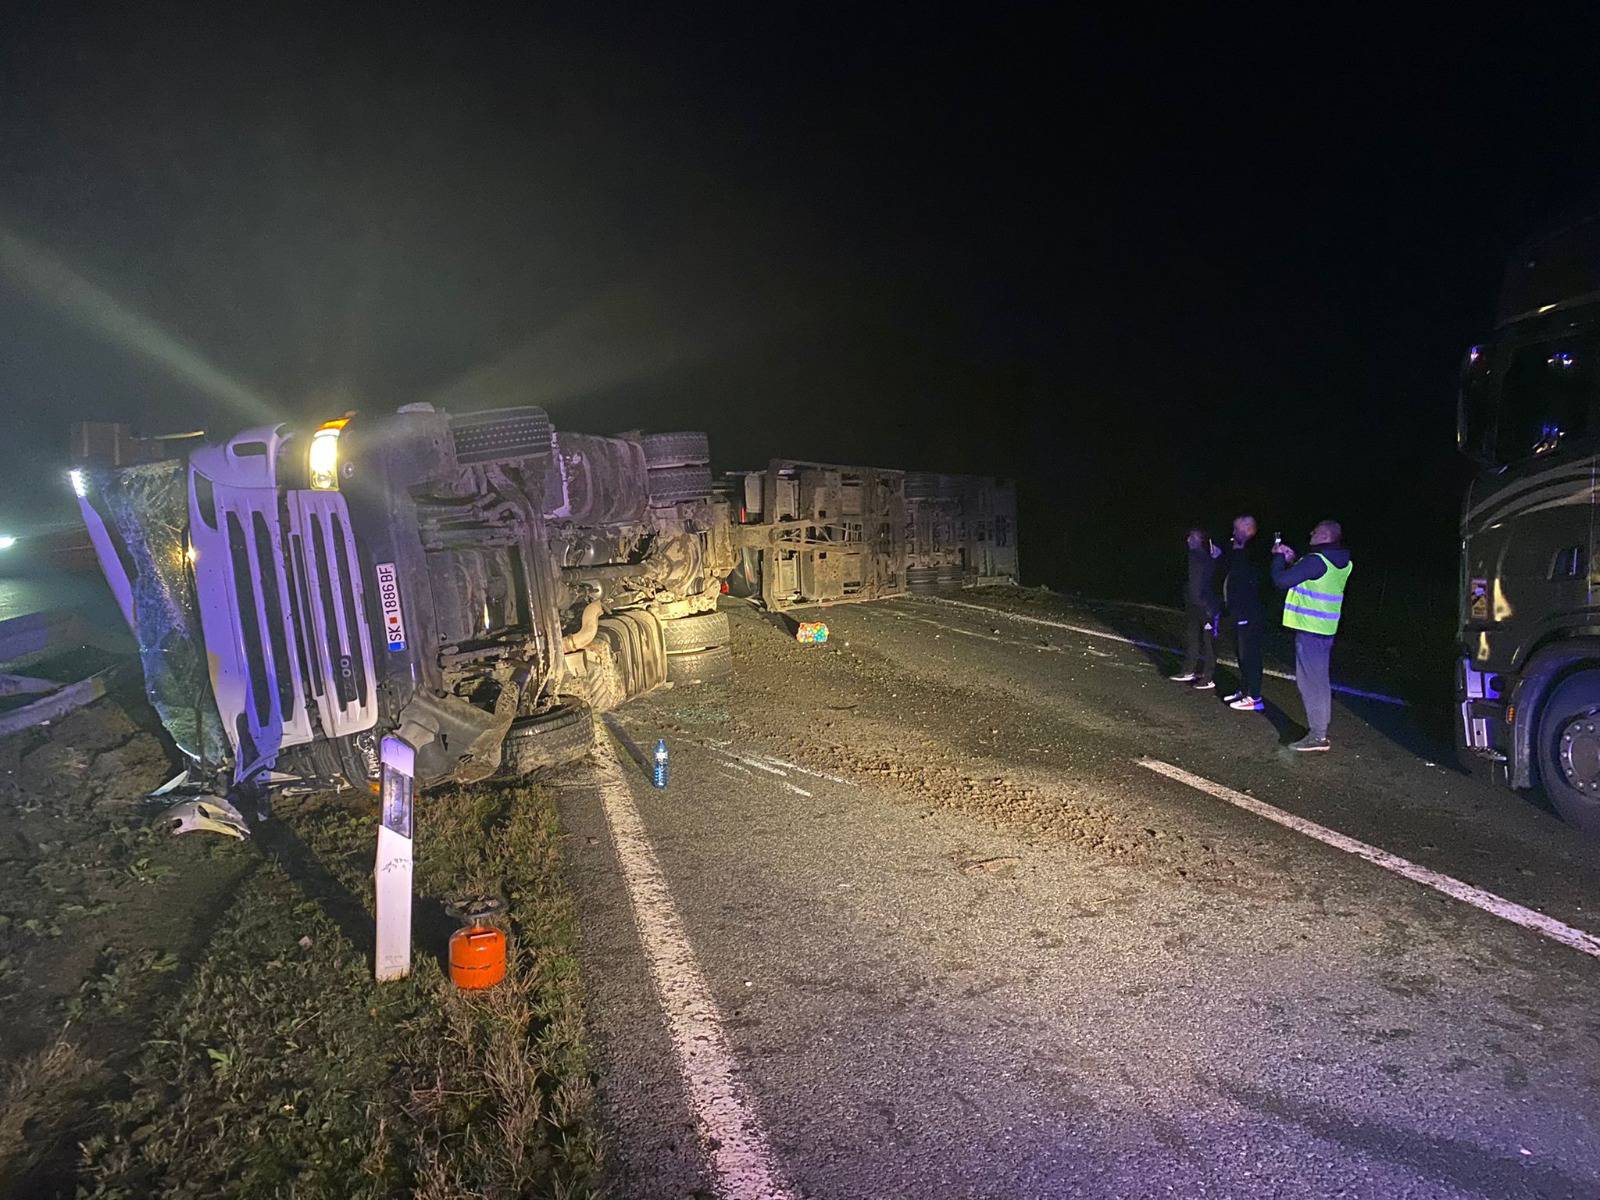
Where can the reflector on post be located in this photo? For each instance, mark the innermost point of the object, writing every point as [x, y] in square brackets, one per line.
[393, 869]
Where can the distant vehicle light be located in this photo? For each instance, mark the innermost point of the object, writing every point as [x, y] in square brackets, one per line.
[1474, 354]
[79, 481]
[7, 541]
[322, 459]
[1544, 308]
[1561, 360]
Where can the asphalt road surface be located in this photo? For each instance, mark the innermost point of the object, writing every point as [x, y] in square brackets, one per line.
[912, 920]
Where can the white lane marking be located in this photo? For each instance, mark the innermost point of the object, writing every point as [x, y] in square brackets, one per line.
[1498, 906]
[730, 1131]
[749, 762]
[735, 768]
[781, 762]
[1128, 641]
[798, 791]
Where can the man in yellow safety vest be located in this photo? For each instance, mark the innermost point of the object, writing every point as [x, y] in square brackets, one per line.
[1316, 595]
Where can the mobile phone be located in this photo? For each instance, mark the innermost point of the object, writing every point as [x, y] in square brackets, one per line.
[1277, 539]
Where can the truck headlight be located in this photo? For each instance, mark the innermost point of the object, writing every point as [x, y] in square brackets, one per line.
[322, 460]
[79, 481]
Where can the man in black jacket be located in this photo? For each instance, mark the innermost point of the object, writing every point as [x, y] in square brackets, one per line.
[1200, 612]
[1244, 612]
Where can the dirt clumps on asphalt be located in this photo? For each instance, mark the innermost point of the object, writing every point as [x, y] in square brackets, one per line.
[1033, 771]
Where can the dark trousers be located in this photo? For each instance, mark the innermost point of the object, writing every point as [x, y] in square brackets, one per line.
[1311, 654]
[1247, 636]
[1200, 642]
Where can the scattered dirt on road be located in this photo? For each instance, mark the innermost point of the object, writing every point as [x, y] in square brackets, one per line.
[964, 747]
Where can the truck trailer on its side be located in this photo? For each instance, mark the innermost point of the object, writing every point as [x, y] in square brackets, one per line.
[812, 534]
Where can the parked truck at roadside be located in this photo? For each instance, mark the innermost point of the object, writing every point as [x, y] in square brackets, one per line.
[1528, 675]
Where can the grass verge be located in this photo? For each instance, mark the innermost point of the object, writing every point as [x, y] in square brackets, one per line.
[281, 1068]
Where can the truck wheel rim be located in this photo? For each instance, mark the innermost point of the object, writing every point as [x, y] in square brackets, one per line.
[1580, 753]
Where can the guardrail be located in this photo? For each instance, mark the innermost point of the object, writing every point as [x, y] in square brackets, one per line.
[36, 635]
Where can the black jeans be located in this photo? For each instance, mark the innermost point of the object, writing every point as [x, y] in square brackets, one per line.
[1247, 635]
[1201, 642]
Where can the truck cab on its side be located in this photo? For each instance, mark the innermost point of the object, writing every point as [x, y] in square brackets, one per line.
[475, 584]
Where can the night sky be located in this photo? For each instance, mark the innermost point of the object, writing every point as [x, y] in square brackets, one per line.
[1157, 272]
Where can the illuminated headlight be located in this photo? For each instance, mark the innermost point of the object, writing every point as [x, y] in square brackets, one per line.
[7, 541]
[79, 481]
[323, 459]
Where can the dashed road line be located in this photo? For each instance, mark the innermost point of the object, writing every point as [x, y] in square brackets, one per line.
[1087, 631]
[1498, 906]
[731, 1133]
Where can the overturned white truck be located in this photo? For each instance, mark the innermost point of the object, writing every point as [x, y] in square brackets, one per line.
[472, 584]
[475, 585]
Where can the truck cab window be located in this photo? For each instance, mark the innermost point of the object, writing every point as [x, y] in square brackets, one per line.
[1549, 395]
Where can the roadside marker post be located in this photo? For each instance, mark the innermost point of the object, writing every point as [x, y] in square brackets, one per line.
[393, 868]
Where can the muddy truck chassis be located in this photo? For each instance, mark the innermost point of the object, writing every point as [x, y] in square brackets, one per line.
[475, 585]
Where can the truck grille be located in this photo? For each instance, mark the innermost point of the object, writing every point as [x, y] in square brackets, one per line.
[333, 613]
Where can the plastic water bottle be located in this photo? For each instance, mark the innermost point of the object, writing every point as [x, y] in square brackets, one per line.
[658, 773]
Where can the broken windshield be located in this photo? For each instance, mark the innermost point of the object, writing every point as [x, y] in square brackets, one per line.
[148, 509]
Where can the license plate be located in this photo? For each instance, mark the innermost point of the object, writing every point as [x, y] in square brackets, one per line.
[394, 621]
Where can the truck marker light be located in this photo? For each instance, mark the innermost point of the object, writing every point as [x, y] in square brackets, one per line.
[322, 460]
[1511, 714]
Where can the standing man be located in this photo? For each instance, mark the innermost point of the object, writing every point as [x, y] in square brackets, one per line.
[1200, 612]
[1244, 611]
[1311, 609]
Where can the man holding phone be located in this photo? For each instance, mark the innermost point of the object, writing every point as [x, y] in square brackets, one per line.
[1316, 596]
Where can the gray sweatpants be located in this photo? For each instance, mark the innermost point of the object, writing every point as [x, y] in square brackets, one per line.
[1311, 654]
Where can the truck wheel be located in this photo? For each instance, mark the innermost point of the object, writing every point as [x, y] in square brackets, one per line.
[687, 634]
[551, 739]
[700, 666]
[673, 484]
[500, 434]
[675, 450]
[1569, 750]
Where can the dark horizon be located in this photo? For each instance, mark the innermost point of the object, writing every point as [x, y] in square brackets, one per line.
[1156, 276]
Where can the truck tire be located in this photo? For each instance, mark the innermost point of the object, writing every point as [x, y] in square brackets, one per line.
[500, 434]
[1568, 754]
[551, 739]
[675, 450]
[700, 666]
[687, 634]
[670, 485]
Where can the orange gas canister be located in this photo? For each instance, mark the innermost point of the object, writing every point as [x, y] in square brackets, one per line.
[477, 950]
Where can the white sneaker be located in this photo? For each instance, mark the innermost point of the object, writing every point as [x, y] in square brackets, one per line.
[1189, 678]
[1232, 696]
[1248, 704]
[1204, 685]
